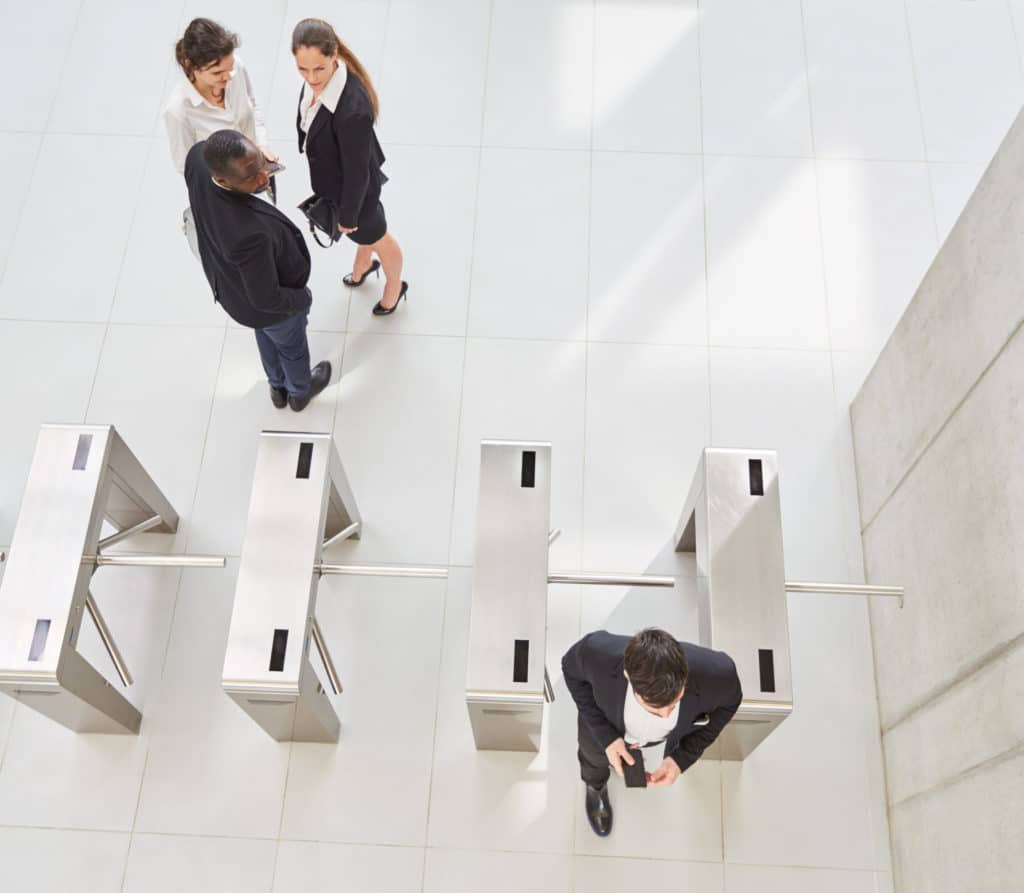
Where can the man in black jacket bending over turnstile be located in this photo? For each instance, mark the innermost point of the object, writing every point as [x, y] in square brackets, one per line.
[255, 260]
[638, 692]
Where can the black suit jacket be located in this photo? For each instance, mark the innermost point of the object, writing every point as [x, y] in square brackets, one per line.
[344, 155]
[254, 257]
[593, 673]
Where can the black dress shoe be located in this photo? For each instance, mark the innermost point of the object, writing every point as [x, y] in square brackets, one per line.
[279, 397]
[319, 379]
[380, 310]
[599, 810]
[352, 282]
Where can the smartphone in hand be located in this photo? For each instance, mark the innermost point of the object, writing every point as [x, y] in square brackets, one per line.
[636, 775]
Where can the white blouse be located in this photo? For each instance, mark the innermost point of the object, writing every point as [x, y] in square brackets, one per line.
[190, 118]
[329, 97]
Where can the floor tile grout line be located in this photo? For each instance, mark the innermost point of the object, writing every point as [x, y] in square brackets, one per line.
[148, 739]
[707, 331]
[354, 843]
[437, 725]
[64, 66]
[206, 440]
[17, 230]
[581, 548]
[917, 80]
[866, 159]
[825, 290]
[280, 824]
[465, 336]
[117, 282]
[458, 440]
[704, 222]
[920, 119]
[693, 345]
[1018, 36]
[20, 211]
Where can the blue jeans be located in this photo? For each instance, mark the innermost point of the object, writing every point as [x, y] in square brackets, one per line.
[284, 351]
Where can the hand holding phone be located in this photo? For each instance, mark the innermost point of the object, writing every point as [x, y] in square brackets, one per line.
[635, 775]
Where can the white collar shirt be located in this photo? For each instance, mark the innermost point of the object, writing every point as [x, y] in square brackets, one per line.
[642, 726]
[328, 97]
[189, 118]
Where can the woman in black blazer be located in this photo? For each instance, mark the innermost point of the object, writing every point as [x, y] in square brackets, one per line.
[337, 109]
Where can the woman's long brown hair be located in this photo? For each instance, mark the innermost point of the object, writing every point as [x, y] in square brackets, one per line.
[318, 33]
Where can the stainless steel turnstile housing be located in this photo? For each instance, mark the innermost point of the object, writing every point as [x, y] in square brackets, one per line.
[80, 475]
[732, 520]
[505, 676]
[300, 498]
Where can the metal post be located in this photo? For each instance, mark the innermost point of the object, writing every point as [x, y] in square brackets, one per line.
[611, 579]
[549, 691]
[141, 527]
[846, 589]
[325, 657]
[108, 640]
[369, 570]
[130, 560]
[352, 529]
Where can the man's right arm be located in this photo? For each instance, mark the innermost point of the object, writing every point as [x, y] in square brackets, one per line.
[254, 259]
[575, 667]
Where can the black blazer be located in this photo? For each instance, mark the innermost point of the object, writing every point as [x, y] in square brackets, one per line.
[344, 155]
[254, 258]
[593, 674]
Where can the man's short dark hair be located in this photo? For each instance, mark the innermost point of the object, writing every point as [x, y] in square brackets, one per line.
[656, 666]
[223, 149]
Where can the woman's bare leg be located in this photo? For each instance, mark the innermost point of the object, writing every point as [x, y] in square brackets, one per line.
[390, 255]
[362, 262]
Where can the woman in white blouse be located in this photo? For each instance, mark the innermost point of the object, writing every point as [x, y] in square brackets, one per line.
[216, 94]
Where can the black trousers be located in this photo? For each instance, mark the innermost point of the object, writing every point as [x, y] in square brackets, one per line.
[594, 767]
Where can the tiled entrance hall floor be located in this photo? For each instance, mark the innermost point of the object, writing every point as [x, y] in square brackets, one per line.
[632, 228]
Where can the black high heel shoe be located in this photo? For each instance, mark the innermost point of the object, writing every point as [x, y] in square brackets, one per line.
[355, 283]
[378, 310]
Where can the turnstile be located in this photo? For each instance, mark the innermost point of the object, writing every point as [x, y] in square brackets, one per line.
[506, 680]
[301, 503]
[732, 520]
[80, 475]
[299, 496]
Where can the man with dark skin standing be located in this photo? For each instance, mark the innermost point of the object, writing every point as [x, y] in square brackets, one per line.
[638, 692]
[255, 260]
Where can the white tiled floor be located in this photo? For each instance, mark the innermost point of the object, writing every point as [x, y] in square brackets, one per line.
[632, 228]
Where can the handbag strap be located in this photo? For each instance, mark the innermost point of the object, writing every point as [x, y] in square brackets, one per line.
[313, 230]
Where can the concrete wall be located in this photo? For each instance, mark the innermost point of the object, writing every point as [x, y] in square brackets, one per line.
[938, 432]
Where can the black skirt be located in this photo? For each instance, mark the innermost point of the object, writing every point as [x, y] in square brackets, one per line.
[372, 225]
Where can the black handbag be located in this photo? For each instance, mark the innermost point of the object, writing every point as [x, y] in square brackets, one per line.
[323, 216]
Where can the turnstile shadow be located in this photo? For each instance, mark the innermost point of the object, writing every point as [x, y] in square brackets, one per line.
[626, 610]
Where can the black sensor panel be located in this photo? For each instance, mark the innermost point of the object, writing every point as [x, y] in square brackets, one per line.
[756, 477]
[766, 660]
[82, 452]
[529, 469]
[278, 649]
[42, 631]
[305, 461]
[521, 660]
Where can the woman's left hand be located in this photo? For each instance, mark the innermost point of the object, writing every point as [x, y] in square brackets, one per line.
[270, 156]
[346, 230]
